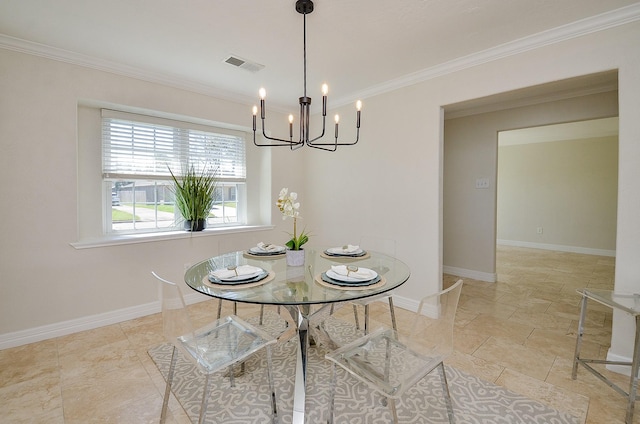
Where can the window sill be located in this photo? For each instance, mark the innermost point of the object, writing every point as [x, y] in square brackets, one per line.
[115, 240]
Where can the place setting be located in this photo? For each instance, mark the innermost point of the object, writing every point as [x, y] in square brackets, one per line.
[350, 277]
[347, 251]
[266, 251]
[238, 276]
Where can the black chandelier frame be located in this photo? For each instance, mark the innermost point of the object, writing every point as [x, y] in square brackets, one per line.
[304, 7]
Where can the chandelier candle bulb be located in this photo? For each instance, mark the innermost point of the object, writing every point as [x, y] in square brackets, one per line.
[358, 107]
[337, 118]
[255, 112]
[263, 94]
[325, 91]
[291, 126]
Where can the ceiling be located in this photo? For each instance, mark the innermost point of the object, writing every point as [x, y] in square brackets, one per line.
[359, 47]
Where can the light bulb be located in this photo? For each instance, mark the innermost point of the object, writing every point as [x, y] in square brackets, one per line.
[291, 119]
[325, 89]
[337, 118]
[262, 93]
[358, 105]
[255, 110]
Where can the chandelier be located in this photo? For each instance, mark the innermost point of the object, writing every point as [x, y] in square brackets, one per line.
[304, 7]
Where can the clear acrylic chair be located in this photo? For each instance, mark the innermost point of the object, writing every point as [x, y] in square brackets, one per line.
[386, 246]
[390, 364]
[212, 348]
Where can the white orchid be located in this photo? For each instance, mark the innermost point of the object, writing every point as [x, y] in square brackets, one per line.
[287, 204]
[290, 208]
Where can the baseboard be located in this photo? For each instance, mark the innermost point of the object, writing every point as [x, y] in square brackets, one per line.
[91, 322]
[469, 273]
[558, 248]
[50, 331]
[405, 303]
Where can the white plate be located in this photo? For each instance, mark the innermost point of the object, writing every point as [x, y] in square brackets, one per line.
[257, 250]
[334, 275]
[242, 277]
[340, 251]
[228, 275]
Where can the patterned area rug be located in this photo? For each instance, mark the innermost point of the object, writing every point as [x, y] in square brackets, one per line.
[474, 400]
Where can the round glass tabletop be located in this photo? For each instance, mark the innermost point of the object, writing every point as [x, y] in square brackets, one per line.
[296, 285]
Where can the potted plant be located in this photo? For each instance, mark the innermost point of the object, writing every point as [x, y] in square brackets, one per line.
[289, 208]
[194, 195]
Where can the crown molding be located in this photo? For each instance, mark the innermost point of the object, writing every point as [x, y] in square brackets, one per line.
[570, 31]
[576, 29]
[61, 55]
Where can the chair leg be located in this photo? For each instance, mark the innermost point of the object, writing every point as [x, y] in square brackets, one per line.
[232, 376]
[274, 407]
[205, 400]
[167, 390]
[332, 393]
[219, 308]
[445, 390]
[394, 411]
[355, 316]
[393, 314]
[366, 319]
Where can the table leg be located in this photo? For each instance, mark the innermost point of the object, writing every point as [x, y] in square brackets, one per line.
[633, 386]
[576, 356]
[300, 315]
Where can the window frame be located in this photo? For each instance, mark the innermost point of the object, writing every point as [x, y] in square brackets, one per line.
[178, 138]
[91, 198]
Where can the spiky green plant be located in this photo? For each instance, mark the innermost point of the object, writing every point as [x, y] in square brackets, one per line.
[195, 193]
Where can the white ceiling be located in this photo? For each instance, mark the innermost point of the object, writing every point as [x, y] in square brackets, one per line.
[359, 47]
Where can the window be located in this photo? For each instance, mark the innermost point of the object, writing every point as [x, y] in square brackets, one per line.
[137, 153]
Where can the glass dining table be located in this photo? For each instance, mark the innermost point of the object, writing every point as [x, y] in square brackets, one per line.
[304, 291]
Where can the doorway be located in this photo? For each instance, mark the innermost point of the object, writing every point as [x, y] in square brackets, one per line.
[557, 187]
[470, 160]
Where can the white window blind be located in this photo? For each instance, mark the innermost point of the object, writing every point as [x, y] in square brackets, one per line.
[144, 147]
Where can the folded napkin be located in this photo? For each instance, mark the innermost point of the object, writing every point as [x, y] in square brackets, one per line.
[359, 274]
[265, 247]
[349, 248]
[344, 250]
[242, 270]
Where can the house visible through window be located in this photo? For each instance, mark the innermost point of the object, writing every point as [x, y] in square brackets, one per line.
[138, 152]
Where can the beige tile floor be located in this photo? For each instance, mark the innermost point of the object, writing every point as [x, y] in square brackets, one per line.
[518, 333]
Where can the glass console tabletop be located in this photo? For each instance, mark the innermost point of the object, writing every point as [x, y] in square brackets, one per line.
[628, 302]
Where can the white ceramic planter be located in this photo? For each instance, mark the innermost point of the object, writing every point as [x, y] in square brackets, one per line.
[295, 257]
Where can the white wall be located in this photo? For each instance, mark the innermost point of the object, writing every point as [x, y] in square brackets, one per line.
[568, 189]
[390, 183]
[44, 280]
[394, 178]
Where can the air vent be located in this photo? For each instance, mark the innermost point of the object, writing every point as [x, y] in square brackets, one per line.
[243, 64]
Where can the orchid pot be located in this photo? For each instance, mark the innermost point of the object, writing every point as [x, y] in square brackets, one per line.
[295, 257]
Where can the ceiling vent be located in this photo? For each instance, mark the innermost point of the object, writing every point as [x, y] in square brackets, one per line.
[243, 64]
